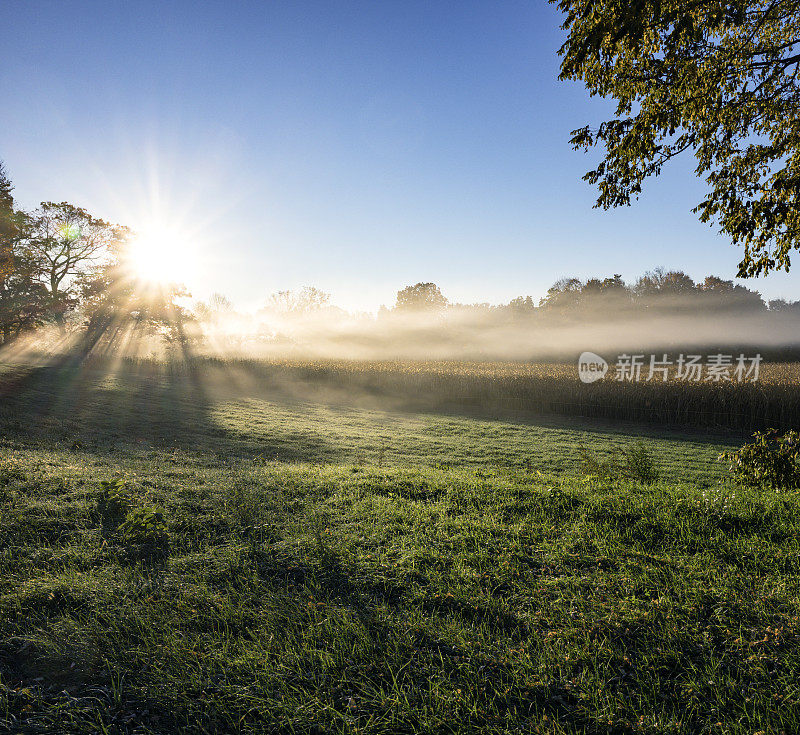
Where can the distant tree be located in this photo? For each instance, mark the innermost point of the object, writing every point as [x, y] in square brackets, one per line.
[296, 303]
[594, 286]
[714, 284]
[784, 305]
[219, 303]
[660, 282]
[69, 242]
[612, 286]
[726, 294]
[481, 308]
[564, 294]
[521, 306]
[605, 298]
[212, 311]
[420, 297]
[716, 78]
[598, 297]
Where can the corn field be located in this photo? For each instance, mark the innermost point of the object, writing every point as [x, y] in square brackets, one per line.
[771, 402]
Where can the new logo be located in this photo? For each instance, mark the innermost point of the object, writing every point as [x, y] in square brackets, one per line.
[591, 367]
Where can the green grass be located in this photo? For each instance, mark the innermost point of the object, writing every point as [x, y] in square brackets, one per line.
[352, 569]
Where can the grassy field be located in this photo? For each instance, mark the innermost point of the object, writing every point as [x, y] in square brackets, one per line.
[322, 565]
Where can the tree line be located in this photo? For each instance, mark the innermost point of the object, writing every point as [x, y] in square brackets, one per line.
[659, 291]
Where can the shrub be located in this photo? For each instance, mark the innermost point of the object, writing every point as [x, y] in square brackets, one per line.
[634, 463]
[771, 459]
[638, 463]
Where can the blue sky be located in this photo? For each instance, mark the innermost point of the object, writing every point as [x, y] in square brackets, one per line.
[356, 147]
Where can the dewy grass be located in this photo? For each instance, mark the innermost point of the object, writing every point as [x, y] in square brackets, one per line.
[475, 581]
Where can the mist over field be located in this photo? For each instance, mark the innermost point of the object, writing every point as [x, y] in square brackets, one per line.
[671, 324]
[662, 310]
[649, 316]
[469, 334]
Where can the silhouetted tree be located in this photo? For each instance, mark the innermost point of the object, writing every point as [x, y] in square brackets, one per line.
[8, 223]
[69, 242]
[23, 300]
[116, 303]
[219, 303]
[722, 294]
[602, 299]
[212, 311]
[784, 305]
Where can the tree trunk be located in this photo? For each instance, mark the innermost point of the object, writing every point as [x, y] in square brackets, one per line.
[58, 315]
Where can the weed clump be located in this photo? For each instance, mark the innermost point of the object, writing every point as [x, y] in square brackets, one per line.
[771, 459]
[113, 505]
[10, 470]
[145, 527]
[140, 529]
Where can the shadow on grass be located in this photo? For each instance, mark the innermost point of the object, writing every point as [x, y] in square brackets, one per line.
[69, 403]
[107, 406]
[323, 388]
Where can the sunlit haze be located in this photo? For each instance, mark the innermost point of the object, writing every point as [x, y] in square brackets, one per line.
[355, 147]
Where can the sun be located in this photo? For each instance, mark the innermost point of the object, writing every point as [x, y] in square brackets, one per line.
[161, 256]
